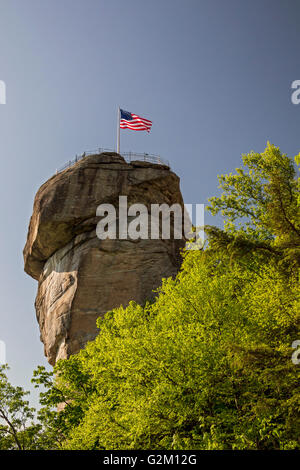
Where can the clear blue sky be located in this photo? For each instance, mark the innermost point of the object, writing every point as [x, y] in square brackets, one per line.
[213, 75]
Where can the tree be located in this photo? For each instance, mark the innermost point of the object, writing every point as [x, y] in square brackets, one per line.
[260, 207]
[207, 366]
[17, 431]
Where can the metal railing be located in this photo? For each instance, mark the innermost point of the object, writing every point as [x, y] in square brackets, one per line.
[128, 157]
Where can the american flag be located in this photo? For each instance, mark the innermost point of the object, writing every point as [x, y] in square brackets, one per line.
[133, 121]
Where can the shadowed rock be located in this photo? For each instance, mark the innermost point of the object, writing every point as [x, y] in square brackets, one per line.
[79, 276]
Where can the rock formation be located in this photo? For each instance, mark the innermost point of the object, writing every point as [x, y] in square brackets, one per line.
[79, 276]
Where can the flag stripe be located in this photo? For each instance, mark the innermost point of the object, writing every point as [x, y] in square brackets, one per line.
[142, 119]
[134, 124]
[138, 128]
[135, 129]
[137, 121]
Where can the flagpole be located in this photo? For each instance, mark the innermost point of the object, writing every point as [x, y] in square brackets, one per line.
[118, 131]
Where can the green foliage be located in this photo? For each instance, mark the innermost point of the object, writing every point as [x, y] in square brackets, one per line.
[261, 211]
[297, 160]
[207, 366]
[17, 430]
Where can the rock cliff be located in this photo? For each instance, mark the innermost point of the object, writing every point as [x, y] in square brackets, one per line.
[79, 276]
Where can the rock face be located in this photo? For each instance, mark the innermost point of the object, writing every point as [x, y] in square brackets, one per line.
[80, 277]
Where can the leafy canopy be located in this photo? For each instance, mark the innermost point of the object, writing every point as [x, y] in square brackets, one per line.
[260, 206]
[17, 429]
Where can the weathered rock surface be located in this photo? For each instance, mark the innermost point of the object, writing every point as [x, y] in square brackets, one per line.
[79, 276]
